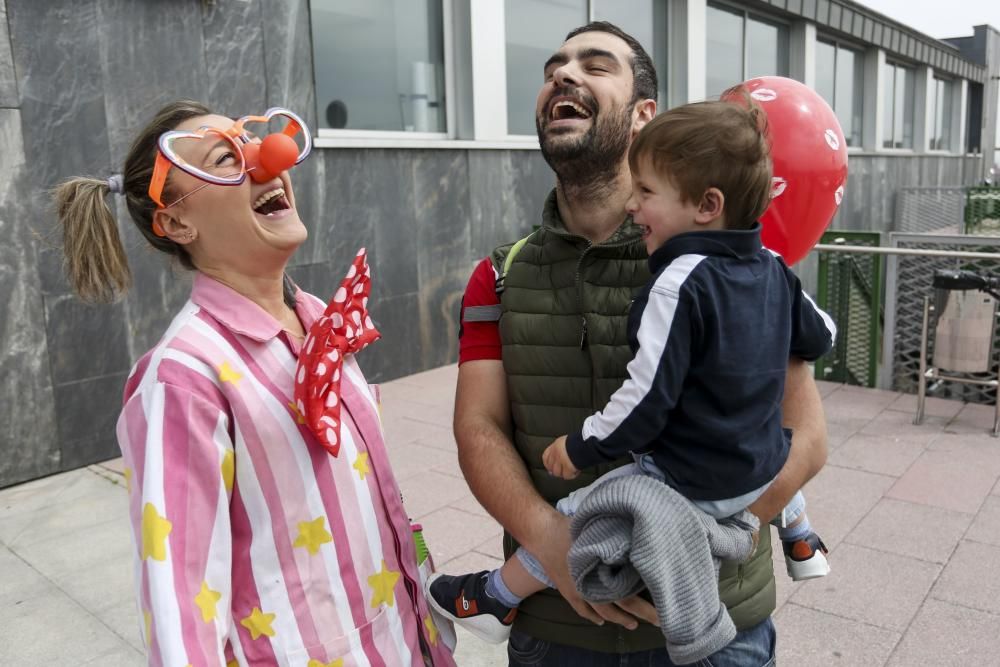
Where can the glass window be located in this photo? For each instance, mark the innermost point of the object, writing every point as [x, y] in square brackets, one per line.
[534, 30]
[724, 41]
[826, 64]
[379, 64]
[740, 47]
[941, 110]
[646, 20]
[888, 96]
[898, 92]
[850, 103]
[840, 80]
[633, 16]
[767, 49]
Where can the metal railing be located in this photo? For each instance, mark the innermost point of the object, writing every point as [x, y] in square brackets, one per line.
[909, 272]
[849, 288]
[910, 262]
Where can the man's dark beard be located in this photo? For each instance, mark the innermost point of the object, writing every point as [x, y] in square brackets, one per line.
[590, 164]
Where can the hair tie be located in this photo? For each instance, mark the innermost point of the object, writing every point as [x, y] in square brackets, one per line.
[116, 184]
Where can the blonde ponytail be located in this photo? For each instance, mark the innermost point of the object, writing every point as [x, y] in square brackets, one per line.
[95, 259]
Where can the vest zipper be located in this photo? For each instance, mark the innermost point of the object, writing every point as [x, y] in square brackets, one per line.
[578, 283]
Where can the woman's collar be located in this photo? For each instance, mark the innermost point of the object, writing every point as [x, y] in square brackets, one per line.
[241, 314]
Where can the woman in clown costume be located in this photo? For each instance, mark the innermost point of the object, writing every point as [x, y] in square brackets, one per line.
[267, 523]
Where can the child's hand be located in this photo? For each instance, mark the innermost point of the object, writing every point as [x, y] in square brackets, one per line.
[557, 461]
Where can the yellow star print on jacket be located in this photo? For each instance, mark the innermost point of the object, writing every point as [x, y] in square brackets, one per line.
[155, 529]
[258, 623]
[206, 601]
[382, 584]
[312, 535]
[339, 662]
[361, 464]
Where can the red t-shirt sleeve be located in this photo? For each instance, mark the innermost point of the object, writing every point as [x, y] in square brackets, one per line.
[479, 340]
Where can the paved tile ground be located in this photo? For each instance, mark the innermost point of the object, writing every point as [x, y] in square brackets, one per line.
[911, 513]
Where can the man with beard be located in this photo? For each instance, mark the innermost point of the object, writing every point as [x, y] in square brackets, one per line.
[543, 346]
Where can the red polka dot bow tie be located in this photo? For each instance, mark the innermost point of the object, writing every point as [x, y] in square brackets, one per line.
[344, 328]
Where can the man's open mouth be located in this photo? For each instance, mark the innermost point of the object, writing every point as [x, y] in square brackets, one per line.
[271, 202]
[566, 109]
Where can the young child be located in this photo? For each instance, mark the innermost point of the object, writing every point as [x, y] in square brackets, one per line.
[711, 333]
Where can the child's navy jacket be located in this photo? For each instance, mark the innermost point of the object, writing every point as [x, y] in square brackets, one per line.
[712, 333]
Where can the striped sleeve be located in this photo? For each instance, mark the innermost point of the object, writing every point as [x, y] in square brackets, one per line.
[637, 412]
[813, 330]
[180, 464]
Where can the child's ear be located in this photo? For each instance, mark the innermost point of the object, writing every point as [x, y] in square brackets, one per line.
[711, 206]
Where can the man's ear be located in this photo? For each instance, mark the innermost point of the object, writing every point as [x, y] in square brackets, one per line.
[173, 227]
[711, 207]
[643, 112]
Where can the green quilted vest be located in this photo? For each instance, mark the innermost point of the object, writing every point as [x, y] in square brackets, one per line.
[565, 304]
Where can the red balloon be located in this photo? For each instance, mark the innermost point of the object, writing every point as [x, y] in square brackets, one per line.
[809, 154]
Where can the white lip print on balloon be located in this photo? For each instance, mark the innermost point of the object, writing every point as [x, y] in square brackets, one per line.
[838, 196]
[831, 139]
[778, 185]
[764, 95]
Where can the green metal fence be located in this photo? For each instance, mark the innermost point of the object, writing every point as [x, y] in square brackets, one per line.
[849, 288]
[982, 211]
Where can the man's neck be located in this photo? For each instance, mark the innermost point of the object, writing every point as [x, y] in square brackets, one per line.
[595, 213]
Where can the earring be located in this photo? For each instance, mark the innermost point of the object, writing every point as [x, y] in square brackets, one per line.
[189, 236]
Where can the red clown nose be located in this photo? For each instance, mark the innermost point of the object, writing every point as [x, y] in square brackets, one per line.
[270, 157]
[251, 153]
[278, 152]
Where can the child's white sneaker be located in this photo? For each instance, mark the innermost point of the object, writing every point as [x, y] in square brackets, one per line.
[806, 558]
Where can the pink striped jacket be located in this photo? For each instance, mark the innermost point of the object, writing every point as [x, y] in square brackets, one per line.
[254, 546]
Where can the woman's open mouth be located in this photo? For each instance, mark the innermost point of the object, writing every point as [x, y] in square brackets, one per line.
[271, 203]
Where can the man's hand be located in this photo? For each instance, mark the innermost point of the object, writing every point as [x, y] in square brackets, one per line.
[552, 556]
[556, 460]
[499, 480]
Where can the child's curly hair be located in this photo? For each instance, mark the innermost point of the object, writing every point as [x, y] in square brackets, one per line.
[721, 144]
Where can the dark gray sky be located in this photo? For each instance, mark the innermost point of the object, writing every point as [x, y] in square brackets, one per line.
[940, 18]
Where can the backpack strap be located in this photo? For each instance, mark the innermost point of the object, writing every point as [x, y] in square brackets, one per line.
[508, 260]
[502, 258]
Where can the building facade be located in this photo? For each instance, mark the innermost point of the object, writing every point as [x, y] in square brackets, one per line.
[425, 151]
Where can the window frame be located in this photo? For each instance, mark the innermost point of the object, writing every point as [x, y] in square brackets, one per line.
[348, 138]
[898, 64]
[861, 54]
[482, 25]
[465, 92]
[954, 86]
[746, 15]
[591, 16]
